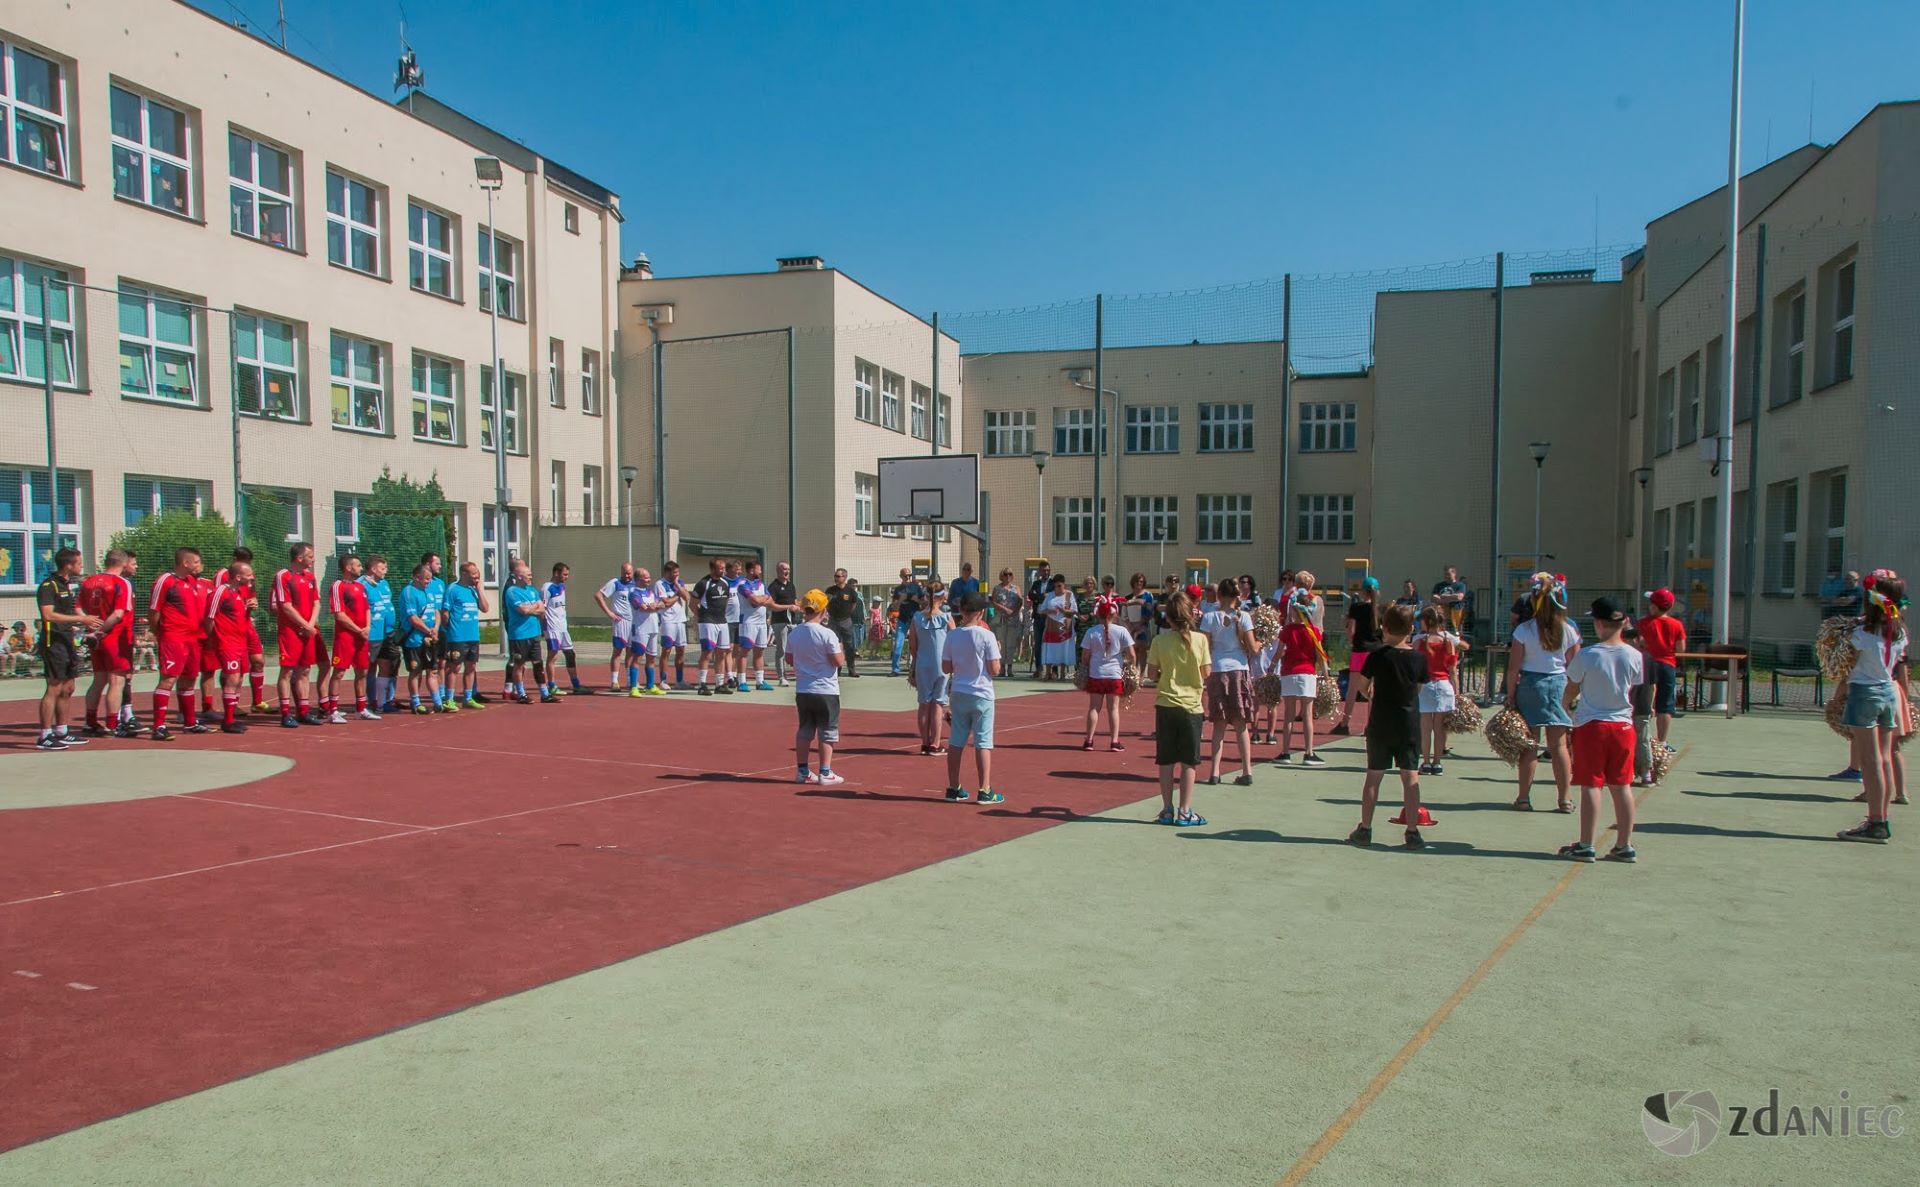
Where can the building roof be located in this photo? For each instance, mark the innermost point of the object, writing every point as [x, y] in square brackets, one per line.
[458, 124]
[757, 276]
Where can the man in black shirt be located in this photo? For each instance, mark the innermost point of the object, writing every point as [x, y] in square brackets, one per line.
[58, 652]
[1037, 593]
[711, 594]
[907, 597]
[783, 615]
[843, 615]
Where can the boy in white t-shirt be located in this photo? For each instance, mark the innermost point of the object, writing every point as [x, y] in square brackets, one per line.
[1603, 677]
[814, 652]
[971, 659]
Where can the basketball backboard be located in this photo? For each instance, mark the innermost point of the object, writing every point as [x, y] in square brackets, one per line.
[943, 488]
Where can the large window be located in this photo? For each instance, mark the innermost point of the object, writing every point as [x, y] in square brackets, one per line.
[359, 372]
[1151, 519]
[25, 324]
[1226, 428]
[943, 420]
[260, 190]
[892, 389]
[1838, 280]
[353, 224]
[1662, 546]
[490, 541]
[863, 488]
[499, 273]
[436, 399]
[152, 156]
[1684, 534]
[1008, 434]
[158, 346]
[1633, 386]
[556, 373]
[1828, 526]
[430, 266]
[556, 492]
[921, 412]
[154, 496]
[347, 511]
[33, 111]
[1783, 537]
[1328, 428]
[1689, 424]
[29, 535]
[590, 382]
[1744, 358]
[1073, 431]
[589, 496]
[1226, 519]
[1326, 519]
[1663, 415]
[290, 506]
[266, 369]
[866, 377]
[1073, 521]
[513, 412]
[1153, 428]
[1790, 348]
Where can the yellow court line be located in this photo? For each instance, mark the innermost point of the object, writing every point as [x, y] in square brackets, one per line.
[1331, 1136]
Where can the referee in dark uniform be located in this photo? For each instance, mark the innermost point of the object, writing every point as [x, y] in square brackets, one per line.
[58, 652]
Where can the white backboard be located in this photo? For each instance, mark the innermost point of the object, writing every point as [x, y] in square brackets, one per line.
[930, 489]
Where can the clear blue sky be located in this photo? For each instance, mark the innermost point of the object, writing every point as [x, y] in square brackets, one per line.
[965, 156]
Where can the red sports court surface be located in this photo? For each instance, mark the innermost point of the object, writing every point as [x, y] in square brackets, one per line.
[401, 870]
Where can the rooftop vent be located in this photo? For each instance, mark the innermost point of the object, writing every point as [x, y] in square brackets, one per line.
[640, 269]
[801, 263]
[1563, 276]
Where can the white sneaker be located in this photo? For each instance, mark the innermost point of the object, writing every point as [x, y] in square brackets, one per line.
[830, 778]
[338, 718]
[367, 715]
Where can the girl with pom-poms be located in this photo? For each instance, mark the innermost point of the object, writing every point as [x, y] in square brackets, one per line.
[1537, 674]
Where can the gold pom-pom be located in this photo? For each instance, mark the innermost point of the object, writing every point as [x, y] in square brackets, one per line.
[1266, 624]
[1663, 756]
[1508, 737]
[1326, 697]
[1266, 690]
[1129, 682]
[1835, 649]
[1836, 707]
[1465, 718]
[1080, 673]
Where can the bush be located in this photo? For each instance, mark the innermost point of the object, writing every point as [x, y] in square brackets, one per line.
[154, 539]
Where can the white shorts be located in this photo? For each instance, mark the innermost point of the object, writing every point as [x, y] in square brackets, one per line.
[560, 642]
[673, 632]
[1300, 684]
[622, 633]
[1436, 696]
[714, 637]
[646, 638]
[749, 637]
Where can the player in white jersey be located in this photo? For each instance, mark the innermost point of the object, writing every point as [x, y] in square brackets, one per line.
[651, 602]
[751, 640]
[559, 639]
[673, 622]
[735, 661]
[615, 600]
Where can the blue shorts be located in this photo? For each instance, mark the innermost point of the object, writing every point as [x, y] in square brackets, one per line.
[972, 721]
[1540, 700]
[1872, 705]
[932, 687]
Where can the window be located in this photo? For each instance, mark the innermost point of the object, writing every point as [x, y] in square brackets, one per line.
[1009, 434]
[1739, 542]
[1328, 428]
[1715, 383]
[918, 531]
[266, 372]
[1151, 519]
[556, 492]
[28, 534]
[1633, 387]
[1829, 527]
[1226, 519]
[891, 389]
[589, 496]
[863, 486]
[1073, 431]
[25, 324]
[260, 190]
[436, 399]
[570, 218]
[1663, 415]
[1073, 520]
[922, 408]
[556, 374]
[516, 401]
[1226, 428]
[151, 161]
[590, 382]
[288, 504]
[499, 273]
[153, 496]
[490, 545]
[430, 266]
[1839, 335]
[1153, 428]
[1662, 546]
[1790, 348]
[892, 531]
[943, 420]
[1689, 426]
[347, 510]
[359, 375]
[866, 377]
[353, 224]
[158, 356]
[33, 111]
[1683, 537]
[1326, 519]
[1783, 537]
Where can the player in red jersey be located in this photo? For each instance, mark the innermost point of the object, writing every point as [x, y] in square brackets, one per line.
[178, 613]
[108, 596]
[209, 655]
[296, 605]
[351, 652]
[229, 628]
[256, 652]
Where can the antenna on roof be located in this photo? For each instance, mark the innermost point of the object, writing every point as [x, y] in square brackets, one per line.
[408, 73]
[283, 24]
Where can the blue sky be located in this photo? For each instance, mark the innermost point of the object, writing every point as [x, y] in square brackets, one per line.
[968, 156]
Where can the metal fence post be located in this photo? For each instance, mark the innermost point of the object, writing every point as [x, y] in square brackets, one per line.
[1499, 329]
[1751, 577]
[53, 453]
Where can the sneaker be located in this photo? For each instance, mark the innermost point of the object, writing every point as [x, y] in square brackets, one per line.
[1437, 770]
[519, 698]
[198, 727]
[548, 698]
[658, 690]
[313, 719]
[829, 778]
[1850, 775]
[1644, 781]
[1313, 760]
[337, 718]
[96, 731]
[1426, 768]
[1874, 832]
[1413, 840]
[581, 690]
[1339, 729]
[72, 739]
[1116, 748]
[1283, 759]
[367, 715]
[289, 722]
[636, 692]
[763, 686]
[232, 727]
[125, 731]
[477, 698]
[475, 703]
[423, 710]
[49, 742]
[446, 707]
[1902, 799]
[1243, 780]
[706, 690]
[958, 795]
[1191, 820]
[1622, 853]
[727, 690]
[989, 796]
[162, 734]
[1578, 851]
[1361, 836]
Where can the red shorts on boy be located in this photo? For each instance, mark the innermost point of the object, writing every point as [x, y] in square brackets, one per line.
[349, 652]
[1603, 754]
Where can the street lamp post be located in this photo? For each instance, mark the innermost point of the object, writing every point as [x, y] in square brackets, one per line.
[627, 475]
[488, 172]
[1040, 457]
[1160, 537]
[1539, 449]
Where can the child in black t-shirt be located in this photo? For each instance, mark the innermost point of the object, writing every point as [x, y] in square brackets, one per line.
[1392, 676]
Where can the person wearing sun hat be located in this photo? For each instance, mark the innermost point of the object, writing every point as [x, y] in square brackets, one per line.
[816, 655]
[1662, 636]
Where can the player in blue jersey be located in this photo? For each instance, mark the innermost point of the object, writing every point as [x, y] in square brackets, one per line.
[466, 605]
[526, 618]
[559, 639]
[420, 620]
[383, 633]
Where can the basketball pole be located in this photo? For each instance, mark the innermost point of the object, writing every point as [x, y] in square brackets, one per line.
[792, 526]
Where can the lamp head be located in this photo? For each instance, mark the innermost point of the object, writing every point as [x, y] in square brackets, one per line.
[1643, 475]
[487, 170]
[1040, 459]
[629, 473]
[1539, 450]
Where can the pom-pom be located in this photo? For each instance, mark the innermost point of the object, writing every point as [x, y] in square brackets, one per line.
[1465, 718]
[1266, 690]
[1266, 624]
[1913, 722]
[1836, 708]
[1080, 673]
[1508, 736]
[1129, 682]
[1326, 697]
[1835, 649]
[1663, 756]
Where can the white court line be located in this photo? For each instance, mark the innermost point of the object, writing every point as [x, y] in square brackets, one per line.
[200, 798]
[413, 831]
[82, 985]
[25, 973]
[617, 762]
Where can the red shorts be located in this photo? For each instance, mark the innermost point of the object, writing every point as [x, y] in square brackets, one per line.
[1603, 754]
[209, 655]
[113, 654]
[298, 651]
[179, 657]
[232, 656]
[1097, 687]
[349, 651]
[254, 646]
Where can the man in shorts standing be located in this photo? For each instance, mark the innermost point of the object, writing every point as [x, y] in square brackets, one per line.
[526, 616]
[814, 652]
[59, 654]
[783, 617]
[649, 608]
[736, 665]
[229, 623]
[178, 613]
[674, 598]
[420, 614]
[615, 600]
[108, 596]
[559, 635]
[971, 659]
[296, 605]
[711, 595]
[466, 604]
[750, 643]
[383, 634]
[352, 645]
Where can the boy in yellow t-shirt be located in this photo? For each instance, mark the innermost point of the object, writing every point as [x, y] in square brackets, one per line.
[1179, 662]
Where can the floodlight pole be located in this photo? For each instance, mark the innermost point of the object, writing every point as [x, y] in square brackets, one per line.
[933, 448]
[793, 547]
[1723, 432]
[487, 169]
[1099, 406]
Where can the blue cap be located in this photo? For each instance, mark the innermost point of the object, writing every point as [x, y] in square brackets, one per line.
[1369, 583]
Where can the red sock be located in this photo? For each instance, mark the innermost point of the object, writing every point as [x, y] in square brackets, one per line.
[189, 711]
[306, 706]
[206, 702]
[259, 682]
[230, 704]
[359, 704]
[160, 698]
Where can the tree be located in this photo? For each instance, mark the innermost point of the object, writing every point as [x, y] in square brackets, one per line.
[154, 539]
[403, 520]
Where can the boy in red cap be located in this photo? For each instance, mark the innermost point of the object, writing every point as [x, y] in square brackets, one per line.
[1661, 637]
